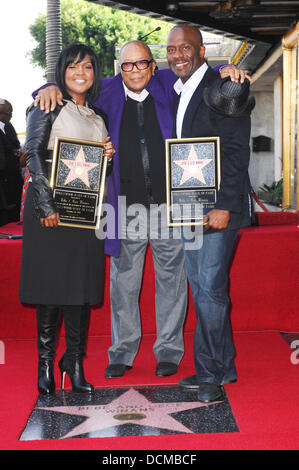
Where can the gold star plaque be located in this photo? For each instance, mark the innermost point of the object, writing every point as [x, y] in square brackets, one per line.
[78, 180]
[192, 179]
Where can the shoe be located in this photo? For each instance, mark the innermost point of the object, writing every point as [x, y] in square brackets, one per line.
[116, 370]
[190, 383]
[73, 367]
[208, 392]
[76, 319]
[47, 320]
[164, 369]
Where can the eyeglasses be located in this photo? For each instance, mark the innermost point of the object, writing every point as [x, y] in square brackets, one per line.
[140, 65]
[8, 114]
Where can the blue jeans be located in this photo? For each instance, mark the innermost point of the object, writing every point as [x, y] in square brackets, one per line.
[207, 271]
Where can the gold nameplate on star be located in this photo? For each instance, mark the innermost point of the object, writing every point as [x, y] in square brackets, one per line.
[78, 181]
[192, 179]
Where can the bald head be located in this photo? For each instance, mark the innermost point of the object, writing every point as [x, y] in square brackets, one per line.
[191, 30]
[5, 111]
[134, 45]
[185, 51]
[137, 78]
[5, 103]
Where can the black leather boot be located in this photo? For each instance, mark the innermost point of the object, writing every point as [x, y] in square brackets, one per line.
[76, 323]
[47, 318]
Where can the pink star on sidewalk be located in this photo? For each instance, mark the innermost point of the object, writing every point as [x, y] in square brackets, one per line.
[131, 407]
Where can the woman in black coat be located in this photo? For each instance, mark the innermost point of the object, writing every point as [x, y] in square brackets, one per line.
[62, 267]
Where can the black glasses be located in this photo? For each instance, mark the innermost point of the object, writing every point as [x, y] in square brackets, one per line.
[3, 112]
[140, 64]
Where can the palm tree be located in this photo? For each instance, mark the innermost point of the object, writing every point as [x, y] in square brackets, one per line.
[53, 37]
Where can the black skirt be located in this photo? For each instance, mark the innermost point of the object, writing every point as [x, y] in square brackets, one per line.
[61, 265]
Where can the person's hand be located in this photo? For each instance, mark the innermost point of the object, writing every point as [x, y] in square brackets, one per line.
[109, 150]
[234, 73]
[22, 158]
[217, 219]
[48, 98]
[50, 221]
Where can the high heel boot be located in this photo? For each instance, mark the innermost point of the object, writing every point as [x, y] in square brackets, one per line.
[75, 323]
[47, 319]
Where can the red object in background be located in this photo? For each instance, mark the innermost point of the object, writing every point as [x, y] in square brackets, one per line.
[264, 286]
[277, 218]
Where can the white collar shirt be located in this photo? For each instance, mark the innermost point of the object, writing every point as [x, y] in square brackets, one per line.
[2, 125]
[186, 91]
[135, 96]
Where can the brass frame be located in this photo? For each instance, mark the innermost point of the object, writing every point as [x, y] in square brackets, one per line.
[290, 122]
[168, 143]
[100, 193]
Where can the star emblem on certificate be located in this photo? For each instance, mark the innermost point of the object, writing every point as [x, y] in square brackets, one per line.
[79, 168]
[193, 173]
[78, 179]
[193, 167]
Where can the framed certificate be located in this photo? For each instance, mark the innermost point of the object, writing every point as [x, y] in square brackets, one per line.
[78, 181]
[192, 179]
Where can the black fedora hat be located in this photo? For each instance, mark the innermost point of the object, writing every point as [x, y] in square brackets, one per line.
[229, 98]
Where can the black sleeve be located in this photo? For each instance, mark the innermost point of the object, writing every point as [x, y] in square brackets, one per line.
[2, 153]
[235, 152]
[38, 130]
[109, 167]
[12, 137]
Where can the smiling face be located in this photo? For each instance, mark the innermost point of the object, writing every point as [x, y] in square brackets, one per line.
[136, 80]
[185, 52]
[79, 77]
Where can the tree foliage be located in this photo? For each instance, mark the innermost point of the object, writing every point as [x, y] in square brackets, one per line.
[99, 27]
